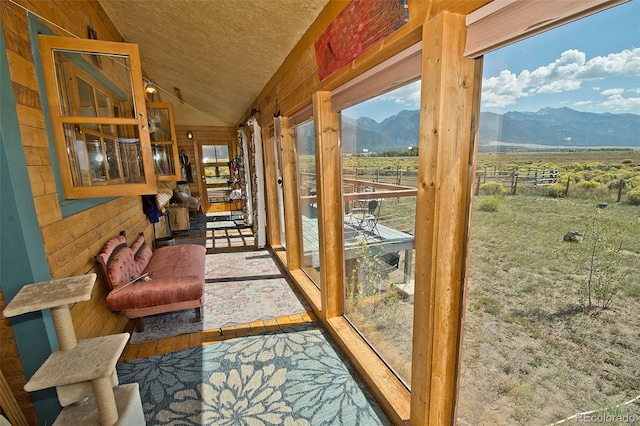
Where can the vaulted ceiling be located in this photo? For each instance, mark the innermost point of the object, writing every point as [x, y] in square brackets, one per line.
[218, 53]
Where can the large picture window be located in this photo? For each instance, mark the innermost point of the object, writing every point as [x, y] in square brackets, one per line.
[551, 329]
[379, 176]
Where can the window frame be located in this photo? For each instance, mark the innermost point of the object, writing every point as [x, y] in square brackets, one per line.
[47, 44]
[172, 142]
[68, 207]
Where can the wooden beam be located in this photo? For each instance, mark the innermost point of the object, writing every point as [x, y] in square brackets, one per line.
[327, 129]
[9, 404]
[447, 102]
[271, 192]
[292, 229]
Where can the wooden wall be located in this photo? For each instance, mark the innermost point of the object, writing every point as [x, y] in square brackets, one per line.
[71, 242]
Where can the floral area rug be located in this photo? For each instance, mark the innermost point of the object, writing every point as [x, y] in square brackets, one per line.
[240, 288]
[291, 377]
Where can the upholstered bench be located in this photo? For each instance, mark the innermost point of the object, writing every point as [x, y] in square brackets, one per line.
[142, 283]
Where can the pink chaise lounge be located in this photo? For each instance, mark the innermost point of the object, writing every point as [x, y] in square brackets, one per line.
[175, 278]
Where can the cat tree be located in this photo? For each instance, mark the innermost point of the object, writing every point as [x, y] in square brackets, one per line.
[83, 372]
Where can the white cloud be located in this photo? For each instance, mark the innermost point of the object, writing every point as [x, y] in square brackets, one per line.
[408, 95]
[502, 90]
[582, 103]
[618, 103]
[566, 73]
[610, 92]
[626, 63]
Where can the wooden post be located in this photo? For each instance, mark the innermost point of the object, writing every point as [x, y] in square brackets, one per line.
[326, 124]
[620, 187]
[515, 184]
[449, 112]
[477, 185]
[271, 197]
[9, 404]
[566, 189]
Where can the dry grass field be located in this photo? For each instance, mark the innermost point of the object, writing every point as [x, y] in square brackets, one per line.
[535, 352]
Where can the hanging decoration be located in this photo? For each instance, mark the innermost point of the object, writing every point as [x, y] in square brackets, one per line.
[366, 22]
[260, 212]
[243, 163]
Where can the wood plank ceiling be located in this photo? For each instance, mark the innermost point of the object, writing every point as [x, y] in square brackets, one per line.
[219, 53]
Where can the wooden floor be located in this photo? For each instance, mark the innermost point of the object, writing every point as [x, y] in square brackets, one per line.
[185, 341]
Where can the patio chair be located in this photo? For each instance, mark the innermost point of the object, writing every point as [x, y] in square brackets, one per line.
[365, 217]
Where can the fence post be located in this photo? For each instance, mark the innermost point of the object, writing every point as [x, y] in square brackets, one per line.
[620, 186]
[515, 183]
[566, 190]
[478, 185]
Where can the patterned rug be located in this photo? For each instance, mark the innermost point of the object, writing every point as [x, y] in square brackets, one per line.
[291, 377]
[240, 288]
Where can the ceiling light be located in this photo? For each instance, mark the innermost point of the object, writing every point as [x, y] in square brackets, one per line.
[189, 135]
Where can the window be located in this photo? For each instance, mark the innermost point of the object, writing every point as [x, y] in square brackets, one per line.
[553, 296]
[379, 175]
[305, 146]
[217, 174]
[164, 144]
[97, 109]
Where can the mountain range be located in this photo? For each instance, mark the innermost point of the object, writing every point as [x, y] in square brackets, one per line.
[559, 128]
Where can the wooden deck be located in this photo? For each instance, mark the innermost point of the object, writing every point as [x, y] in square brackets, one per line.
[359, 241]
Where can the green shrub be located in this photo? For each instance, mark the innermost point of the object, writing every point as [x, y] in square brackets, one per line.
[588, 185]
[634, 197]
[627, 161]
[492, 188]
[555, 191]
[490, 204]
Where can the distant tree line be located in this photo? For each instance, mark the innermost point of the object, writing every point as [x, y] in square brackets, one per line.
[413, 152]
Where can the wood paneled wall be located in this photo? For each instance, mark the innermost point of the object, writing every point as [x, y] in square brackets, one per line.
[71, 242]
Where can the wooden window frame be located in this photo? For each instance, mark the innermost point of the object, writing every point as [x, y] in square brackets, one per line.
[71, 191]
[172, 142]
[68, 207]
[505, 22]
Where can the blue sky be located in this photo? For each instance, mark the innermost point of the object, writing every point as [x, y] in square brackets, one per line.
[590, 65]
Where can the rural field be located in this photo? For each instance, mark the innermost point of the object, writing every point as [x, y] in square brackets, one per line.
[552, 327]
